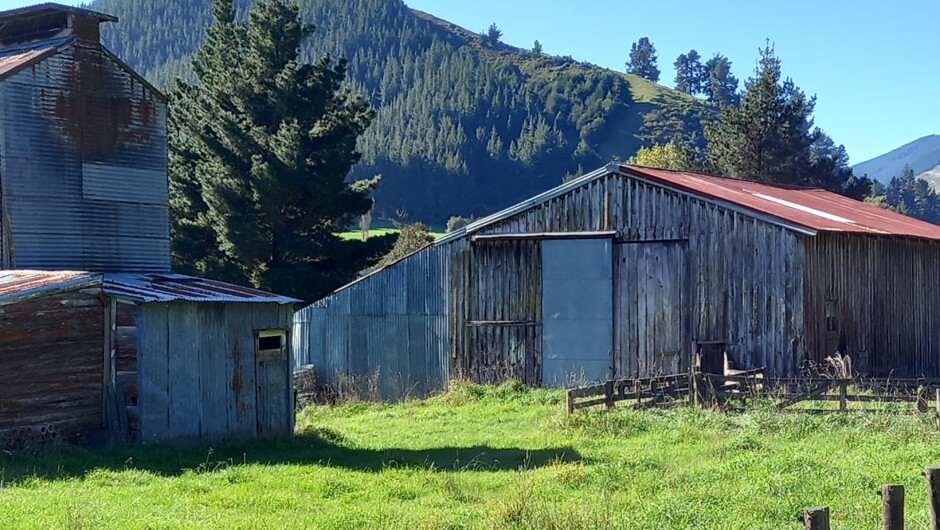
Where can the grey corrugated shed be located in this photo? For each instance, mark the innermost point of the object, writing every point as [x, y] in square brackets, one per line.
[178, 287]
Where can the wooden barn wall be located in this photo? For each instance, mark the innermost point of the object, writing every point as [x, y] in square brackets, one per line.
[882, 293]
[198, 375]
[52, 363]
[744, 275]
[504, 335]
[386, 333]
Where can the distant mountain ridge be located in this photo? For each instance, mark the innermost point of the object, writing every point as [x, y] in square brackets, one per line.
[464, 125]
[922, 155]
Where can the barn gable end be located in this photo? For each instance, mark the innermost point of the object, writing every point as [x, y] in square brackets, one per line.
[700, 266]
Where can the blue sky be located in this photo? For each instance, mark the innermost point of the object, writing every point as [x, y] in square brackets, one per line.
[872, 64]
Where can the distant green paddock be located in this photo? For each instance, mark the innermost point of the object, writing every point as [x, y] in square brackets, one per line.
[490, 457]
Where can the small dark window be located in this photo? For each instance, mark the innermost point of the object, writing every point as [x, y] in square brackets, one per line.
[269, 343]
[832, 321]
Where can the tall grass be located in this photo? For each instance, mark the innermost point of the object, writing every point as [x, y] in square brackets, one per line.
[504, 457]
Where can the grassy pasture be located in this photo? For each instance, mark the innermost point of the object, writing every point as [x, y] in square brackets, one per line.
[489, 457]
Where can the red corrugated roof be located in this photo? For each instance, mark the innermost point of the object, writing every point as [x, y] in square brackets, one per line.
[813, 208]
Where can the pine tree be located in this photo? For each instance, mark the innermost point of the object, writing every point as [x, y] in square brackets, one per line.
[718, 84]
[690, 74]
[493, 34]
[643, 60]
[260, 152]
[537, 48]
[768, 136]
[912, 196]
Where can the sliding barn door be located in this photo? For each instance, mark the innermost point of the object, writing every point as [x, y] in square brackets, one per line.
[577, 303]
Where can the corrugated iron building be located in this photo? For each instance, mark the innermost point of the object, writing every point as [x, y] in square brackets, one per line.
[632, 271]
[95, 333]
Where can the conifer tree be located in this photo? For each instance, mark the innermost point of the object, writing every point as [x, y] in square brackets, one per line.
[260, 149]
[718, 84]
[643, 60]
[690, 73]
[768, 136]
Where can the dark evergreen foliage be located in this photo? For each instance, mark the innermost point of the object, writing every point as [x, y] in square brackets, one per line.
[260, 151]
[690, 74]
[718, 85]
[770, 136]
[909, 195]
[643, 59]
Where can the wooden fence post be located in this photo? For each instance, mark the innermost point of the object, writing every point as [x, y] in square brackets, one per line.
[816, 518]
[698, 390]
[937, 412]
[569, 401]
[921, 398]
[842, 394]
[892, 507]
[932, 476]
[609, 394]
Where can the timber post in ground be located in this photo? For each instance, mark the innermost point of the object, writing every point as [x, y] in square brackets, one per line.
[816, 518]
[892, 507]
[932, 476]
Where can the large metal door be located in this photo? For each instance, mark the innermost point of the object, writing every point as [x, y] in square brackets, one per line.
[577, 311]
[652, 309]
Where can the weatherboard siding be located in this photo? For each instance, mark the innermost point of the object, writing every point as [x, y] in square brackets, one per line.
[51, 369]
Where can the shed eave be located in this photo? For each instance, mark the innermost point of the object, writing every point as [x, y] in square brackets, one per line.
[46, 290]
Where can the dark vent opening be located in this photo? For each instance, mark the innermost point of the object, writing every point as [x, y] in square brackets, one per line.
[270, 343]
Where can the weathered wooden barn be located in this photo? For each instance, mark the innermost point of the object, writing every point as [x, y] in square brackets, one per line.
[631, 271]
[95, 332]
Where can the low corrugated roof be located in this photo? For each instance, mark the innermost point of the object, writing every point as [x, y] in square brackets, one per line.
[177, 287]
[137, 287]
[813, 208]
[20, 283]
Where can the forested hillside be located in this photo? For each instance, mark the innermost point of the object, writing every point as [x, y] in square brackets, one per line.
[465, 124]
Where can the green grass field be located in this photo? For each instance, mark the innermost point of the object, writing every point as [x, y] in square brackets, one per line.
[484, 457]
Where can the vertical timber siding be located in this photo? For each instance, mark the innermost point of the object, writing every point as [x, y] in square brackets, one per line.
[745, 274]
[198, 375]
[51, 370]
[393, 323]
[83, 167]
[729, 278]
[883, 291]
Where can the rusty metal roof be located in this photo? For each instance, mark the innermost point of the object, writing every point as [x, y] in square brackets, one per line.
[177, 287]
[23, 283]
[17, 284]
[11, 60]
[813, 208]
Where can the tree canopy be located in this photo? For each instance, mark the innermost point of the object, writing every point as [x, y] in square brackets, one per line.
[770, 136]
[261, 145]
[643, 59]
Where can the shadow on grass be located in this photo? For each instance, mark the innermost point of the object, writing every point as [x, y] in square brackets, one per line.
[320, 447]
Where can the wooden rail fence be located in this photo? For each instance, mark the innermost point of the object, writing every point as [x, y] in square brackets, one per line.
[892, 506]
[730, 391]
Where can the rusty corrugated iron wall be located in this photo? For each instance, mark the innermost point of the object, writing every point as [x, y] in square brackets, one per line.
[83, 166]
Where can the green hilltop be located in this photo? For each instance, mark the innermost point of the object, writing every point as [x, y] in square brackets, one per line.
[464, 124]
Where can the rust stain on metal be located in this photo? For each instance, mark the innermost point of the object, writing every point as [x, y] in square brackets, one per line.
[99, 116]
[237, 384]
